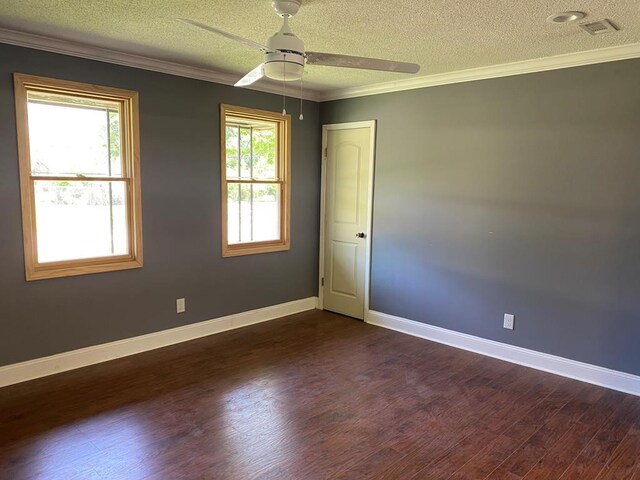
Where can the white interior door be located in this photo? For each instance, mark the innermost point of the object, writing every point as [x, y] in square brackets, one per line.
[348, 176]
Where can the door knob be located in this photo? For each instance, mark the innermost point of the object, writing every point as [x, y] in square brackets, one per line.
[360, 235]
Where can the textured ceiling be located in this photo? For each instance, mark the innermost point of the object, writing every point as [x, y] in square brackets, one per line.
[441, 35]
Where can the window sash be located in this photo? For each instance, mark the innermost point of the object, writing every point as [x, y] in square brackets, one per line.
[80, 261]
[78, 178]
[98, 102]
[281, 192]
[278, 170]
[256, 182]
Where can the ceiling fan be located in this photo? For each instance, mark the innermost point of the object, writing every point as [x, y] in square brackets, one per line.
[285, 56]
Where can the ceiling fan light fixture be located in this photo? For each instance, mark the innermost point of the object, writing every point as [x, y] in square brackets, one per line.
[566, 17]
[284, 67]
[283, 72]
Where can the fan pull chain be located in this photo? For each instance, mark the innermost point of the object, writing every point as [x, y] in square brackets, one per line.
[301, 117]
[284, 84]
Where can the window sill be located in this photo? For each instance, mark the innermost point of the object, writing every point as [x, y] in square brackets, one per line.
[239, 249]
[43, 272]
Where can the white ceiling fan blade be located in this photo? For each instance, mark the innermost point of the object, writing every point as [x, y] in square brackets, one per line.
[230, 36]
[251, 77]
[348, 61]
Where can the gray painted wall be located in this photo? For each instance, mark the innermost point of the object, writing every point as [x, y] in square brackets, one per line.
[179, 123]
[517, 195]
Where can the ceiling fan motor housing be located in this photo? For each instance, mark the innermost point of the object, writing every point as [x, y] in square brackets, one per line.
[285, 61]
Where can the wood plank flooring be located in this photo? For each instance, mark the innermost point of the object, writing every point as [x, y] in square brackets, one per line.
[313, 396]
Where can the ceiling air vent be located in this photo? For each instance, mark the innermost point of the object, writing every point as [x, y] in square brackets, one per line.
[599, 27]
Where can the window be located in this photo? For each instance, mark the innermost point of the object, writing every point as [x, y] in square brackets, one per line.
[255, 181]
[78, 149]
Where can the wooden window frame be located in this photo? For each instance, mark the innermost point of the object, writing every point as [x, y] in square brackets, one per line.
[130, 147]
[283, 169]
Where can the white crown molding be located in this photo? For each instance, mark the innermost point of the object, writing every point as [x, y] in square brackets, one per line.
[604, 377]
[76, 49]
[611, 54]
[41, 367]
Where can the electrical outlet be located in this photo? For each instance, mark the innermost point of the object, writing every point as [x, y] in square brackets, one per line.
[180, 305]
[509, 319]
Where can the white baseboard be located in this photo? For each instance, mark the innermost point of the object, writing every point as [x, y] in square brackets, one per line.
[40, 367]
[585, 372]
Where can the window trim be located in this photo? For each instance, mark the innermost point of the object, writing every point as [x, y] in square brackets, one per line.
[23, 83]
[284, 162]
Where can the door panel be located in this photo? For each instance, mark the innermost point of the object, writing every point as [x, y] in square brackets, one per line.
[347, 168]
[346, 213]
[344, 274]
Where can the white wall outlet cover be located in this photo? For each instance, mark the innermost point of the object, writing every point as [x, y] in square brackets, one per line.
[180, 305]
[509, 320]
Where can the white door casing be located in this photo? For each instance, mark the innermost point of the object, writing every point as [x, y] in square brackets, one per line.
[346, 207]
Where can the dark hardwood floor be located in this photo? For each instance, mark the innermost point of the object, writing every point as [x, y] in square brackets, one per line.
[315, 395]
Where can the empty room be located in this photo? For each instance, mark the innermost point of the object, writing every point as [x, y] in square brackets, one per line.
[319, 239]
